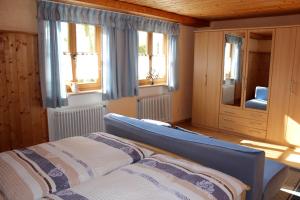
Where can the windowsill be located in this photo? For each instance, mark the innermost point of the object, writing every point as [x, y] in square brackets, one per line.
[84, 92]
[155, 85]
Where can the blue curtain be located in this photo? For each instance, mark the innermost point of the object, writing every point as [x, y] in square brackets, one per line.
[78, 14]
[173, 70]
[120, 63]
[120, 47]
[51, 75]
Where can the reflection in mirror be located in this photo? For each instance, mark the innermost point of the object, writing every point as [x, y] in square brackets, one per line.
[233, 67]
[259, 57]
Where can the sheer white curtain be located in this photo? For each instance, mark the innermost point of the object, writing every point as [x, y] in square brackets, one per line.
[51, 68]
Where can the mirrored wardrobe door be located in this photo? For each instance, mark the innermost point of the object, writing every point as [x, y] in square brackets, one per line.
[233, 62]
[258, 69]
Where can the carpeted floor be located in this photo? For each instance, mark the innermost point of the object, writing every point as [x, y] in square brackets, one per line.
[292, 185]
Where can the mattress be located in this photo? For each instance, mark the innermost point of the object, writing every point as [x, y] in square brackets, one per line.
[158, 177]
[51, 167]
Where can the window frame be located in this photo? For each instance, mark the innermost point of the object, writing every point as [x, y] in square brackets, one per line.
[159, 81]
[73, 53]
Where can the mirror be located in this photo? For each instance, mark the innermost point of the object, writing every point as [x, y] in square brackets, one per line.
[258, 69]
[233, 68]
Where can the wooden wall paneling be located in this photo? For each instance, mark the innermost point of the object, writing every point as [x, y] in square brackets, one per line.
[293, 119]
[5, 140]
[26, 119]
[199, 81]
[13, 91]
[22, 57]
[281, 82]
[214, 68]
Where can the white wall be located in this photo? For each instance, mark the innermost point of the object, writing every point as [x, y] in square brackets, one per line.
[20, 15]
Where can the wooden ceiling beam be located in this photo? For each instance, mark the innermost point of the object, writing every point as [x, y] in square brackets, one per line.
[130, 8]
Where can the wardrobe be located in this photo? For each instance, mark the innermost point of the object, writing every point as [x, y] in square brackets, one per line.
[246, 81]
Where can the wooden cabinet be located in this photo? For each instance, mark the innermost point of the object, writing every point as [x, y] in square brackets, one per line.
[207, 74]
[281, 83]
[272, 53]
[292, 135]
[23, 121]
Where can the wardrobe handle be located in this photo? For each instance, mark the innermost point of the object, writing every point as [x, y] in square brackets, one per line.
[293, 86]
[205, 79]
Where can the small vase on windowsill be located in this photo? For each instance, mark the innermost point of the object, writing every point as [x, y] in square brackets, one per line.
[74, 87]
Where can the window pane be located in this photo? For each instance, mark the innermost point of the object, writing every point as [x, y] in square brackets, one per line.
[158, 44]
[65, 36]
[87, 68]
[158, 65]
[143, 55]
[85, 38]
[158, 58]
[66, 57]
[143, 67]
[67, 67]
[143, 43]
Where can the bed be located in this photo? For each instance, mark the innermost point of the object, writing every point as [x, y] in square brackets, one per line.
[50, 167]
[158, 177]
[109, 167]
[264, 177]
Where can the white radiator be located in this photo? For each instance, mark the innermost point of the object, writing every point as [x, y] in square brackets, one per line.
[75, 121]
[155, 107]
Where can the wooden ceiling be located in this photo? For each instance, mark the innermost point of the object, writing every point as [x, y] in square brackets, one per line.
[198, 12]
[223, 9]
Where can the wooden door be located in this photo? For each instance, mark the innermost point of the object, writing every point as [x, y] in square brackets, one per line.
[292, 135]
[23, 121]
[199, 81]
[213, 82]
[285, 39]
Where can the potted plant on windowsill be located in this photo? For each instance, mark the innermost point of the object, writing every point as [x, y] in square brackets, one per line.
[152, 76]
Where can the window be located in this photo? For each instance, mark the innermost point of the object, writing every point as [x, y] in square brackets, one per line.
[81, 55]
[152, 60]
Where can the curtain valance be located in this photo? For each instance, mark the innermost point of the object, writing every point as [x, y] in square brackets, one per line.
[52, 11]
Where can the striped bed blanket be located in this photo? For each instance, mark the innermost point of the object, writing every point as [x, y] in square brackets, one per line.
[36, 171]
[158, 177]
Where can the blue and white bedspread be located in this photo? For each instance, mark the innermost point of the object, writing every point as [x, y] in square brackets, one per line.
[158, 177]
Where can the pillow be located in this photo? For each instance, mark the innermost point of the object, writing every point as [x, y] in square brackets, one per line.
[33, 172]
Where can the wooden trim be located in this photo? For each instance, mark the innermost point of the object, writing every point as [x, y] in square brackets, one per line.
[99, 51]
[18, 32]
[130, 8]
[159, 81]
[250, 28]
[72, 47]
[150, 49]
